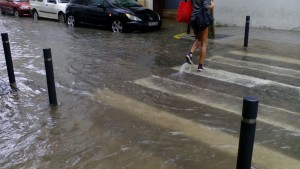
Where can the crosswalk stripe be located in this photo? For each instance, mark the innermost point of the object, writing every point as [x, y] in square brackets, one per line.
[262, 156]
[256, 66]
[229, 77]
[225, 76]
[271, 115]
[269, 57]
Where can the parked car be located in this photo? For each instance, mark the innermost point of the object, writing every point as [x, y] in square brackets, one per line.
[51, 9]
[117, 15]
[15, 7]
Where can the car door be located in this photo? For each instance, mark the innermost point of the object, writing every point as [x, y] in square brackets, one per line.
[96, 12]
[49, 9]
[78, 8]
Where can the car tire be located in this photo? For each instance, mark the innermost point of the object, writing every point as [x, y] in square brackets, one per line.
[61, 17]
[117, 26]
[71, 21]
[16, 13]
[35, 15]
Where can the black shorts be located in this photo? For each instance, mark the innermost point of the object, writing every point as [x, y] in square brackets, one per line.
[195, 27]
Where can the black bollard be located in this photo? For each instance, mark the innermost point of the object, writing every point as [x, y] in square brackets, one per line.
[247, 31]
[247, 132]
[50, 76]
[9, 63]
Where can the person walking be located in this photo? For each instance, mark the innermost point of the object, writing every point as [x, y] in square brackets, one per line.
[201, 35]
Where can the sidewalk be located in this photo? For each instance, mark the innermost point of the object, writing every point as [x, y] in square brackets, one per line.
[274, 42]
[282, 36]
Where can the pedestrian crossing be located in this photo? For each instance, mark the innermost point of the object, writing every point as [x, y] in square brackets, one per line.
[256, 66]
[223, 142]
[266, 56]
[270, 114]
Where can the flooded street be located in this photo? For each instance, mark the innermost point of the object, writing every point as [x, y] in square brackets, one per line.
[124, 102]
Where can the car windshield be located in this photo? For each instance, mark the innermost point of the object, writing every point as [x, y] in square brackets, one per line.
[64, 1]
[125, 3]
[21, 0]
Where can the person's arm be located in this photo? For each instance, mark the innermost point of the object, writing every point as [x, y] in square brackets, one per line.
[208, 4]
[211, 4]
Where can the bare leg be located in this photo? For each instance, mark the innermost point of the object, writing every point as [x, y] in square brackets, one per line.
[202, 37]
[196, 45]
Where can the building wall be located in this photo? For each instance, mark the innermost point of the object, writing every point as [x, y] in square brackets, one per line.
[149, 4]
[275, 14]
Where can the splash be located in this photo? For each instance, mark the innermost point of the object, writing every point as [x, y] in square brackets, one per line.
[185, 68]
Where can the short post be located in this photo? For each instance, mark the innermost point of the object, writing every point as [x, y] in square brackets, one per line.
[9, 63]
[50, 76]
[247, 31]
[247, 132]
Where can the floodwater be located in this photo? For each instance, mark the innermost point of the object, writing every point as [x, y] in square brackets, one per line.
[106, 117]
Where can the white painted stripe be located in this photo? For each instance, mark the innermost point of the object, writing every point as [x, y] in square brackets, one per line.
[262, 157]
[234, 78]
[271, 115]
[225, 76]
[256, 66]
[269, 57]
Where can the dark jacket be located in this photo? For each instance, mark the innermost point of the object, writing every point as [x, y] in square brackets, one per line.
[197, 4]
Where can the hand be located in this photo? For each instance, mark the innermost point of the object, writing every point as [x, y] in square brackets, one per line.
[212, 5]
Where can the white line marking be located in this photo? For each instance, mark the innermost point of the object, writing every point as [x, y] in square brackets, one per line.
[256, 66]
[262, 156]
[225, 76]
[269, 57]
[271, 115]
[235, 78]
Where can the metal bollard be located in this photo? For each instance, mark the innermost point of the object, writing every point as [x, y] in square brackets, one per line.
[9, 63]
[50, 76]
[247, 31]
[247, 132]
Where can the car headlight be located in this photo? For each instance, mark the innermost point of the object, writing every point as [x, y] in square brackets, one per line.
[132, 17]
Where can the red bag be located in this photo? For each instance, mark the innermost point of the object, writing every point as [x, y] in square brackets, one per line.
[184, 11]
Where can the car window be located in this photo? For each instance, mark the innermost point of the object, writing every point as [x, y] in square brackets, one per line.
[106, 4]
[64, 1]
[125, 3]
[40, 0]
[80, 2]
[95, 2]
[51, 1]
[20, 0]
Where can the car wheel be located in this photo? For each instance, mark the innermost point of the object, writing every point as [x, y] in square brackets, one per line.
[35, 15]
[71, 21]
[61, 17]
[16, 13]
[117, 26]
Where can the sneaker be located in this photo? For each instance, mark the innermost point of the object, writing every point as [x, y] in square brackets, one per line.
[189, 58]
[200, 68]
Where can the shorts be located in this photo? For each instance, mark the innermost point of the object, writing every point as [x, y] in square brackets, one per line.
[195, 27]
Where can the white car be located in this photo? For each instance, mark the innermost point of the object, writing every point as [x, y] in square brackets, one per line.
[51, 9]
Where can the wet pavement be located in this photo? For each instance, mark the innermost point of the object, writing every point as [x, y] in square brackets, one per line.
[128, 101]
